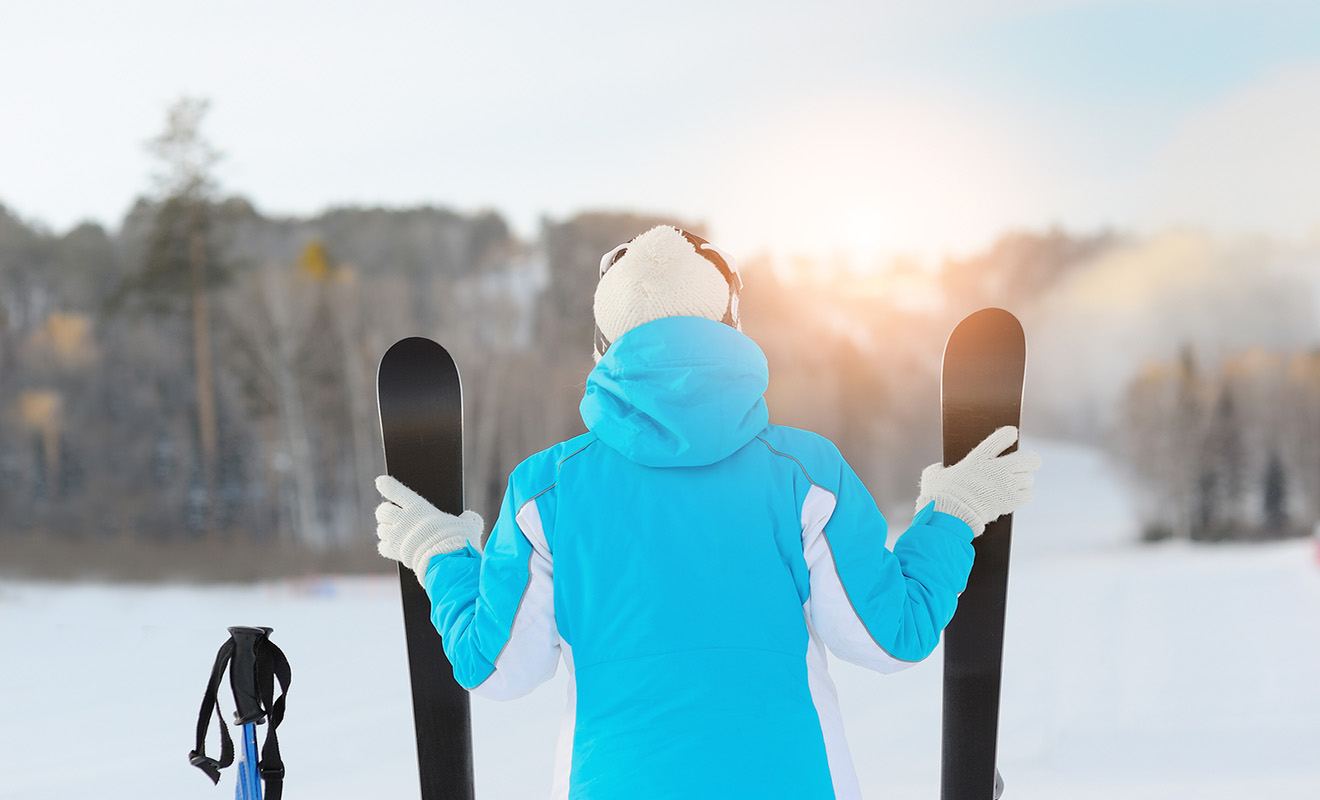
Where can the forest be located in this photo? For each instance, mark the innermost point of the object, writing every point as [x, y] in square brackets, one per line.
[191, 395]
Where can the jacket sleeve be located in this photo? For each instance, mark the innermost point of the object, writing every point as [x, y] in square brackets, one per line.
[878, 608]
[495, 609]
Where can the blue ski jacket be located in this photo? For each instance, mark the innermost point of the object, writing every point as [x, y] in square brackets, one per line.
[690, 562]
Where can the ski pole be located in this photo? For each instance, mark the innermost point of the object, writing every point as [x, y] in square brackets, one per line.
[254, 664]
[248, 710]
[249, 777]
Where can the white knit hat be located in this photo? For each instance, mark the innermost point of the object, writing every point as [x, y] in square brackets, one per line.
[665, 272]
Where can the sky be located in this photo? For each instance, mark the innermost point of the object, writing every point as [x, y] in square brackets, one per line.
[873, 128]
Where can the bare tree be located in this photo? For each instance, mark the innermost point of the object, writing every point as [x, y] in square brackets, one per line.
[1159, 440]
[273, 310]
[1227, 453]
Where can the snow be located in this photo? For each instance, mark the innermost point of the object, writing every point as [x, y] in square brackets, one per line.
[1130, 671]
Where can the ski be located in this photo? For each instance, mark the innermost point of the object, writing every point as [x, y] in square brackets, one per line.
[980, 391]
[421, 419]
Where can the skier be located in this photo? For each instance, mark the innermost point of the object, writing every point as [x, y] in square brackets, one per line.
[690, 561]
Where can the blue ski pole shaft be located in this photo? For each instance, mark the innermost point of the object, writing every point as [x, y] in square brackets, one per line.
[249, 777]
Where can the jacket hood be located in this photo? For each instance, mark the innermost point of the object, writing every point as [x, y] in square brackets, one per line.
[678, 392]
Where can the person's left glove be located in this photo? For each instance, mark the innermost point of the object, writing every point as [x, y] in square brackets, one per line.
[412, 531]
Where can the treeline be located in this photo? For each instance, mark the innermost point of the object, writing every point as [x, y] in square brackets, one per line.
[1225, 452]
[193, 393]
[104, 436]
[109, 434]
[126, 416]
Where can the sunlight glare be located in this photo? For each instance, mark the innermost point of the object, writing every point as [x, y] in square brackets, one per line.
[875, 178]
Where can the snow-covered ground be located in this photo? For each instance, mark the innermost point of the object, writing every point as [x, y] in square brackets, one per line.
[1131, 672]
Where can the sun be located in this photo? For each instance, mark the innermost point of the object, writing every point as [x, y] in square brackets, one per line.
[863, 233]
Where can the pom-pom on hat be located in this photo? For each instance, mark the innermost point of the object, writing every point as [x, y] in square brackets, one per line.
[665, 272]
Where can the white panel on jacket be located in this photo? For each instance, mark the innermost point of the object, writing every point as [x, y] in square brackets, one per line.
[823, 695]
[531, 655]
[832, 612]
[567, 727]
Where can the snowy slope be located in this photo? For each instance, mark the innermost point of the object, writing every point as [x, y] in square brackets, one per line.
[1132, 672]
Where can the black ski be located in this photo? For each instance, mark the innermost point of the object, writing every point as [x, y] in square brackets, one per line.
[980, 391]
[421, 420]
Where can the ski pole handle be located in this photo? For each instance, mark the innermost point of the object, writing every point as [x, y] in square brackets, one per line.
[243, 674]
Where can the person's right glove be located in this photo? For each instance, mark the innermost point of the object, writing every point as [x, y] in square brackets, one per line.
[985, 485]
[412, 531]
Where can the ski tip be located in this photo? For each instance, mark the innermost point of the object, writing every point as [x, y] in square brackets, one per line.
[414, 345]
[992, 328]
[407, 354]
[997, 318]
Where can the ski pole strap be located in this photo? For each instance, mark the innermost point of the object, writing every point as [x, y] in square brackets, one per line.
[255, 665]
[198, 757]
[272, 666]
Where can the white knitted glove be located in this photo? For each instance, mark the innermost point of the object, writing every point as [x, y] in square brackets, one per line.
[985, 485]
[412, 530]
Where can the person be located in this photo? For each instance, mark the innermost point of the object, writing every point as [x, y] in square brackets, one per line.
[690, 561]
